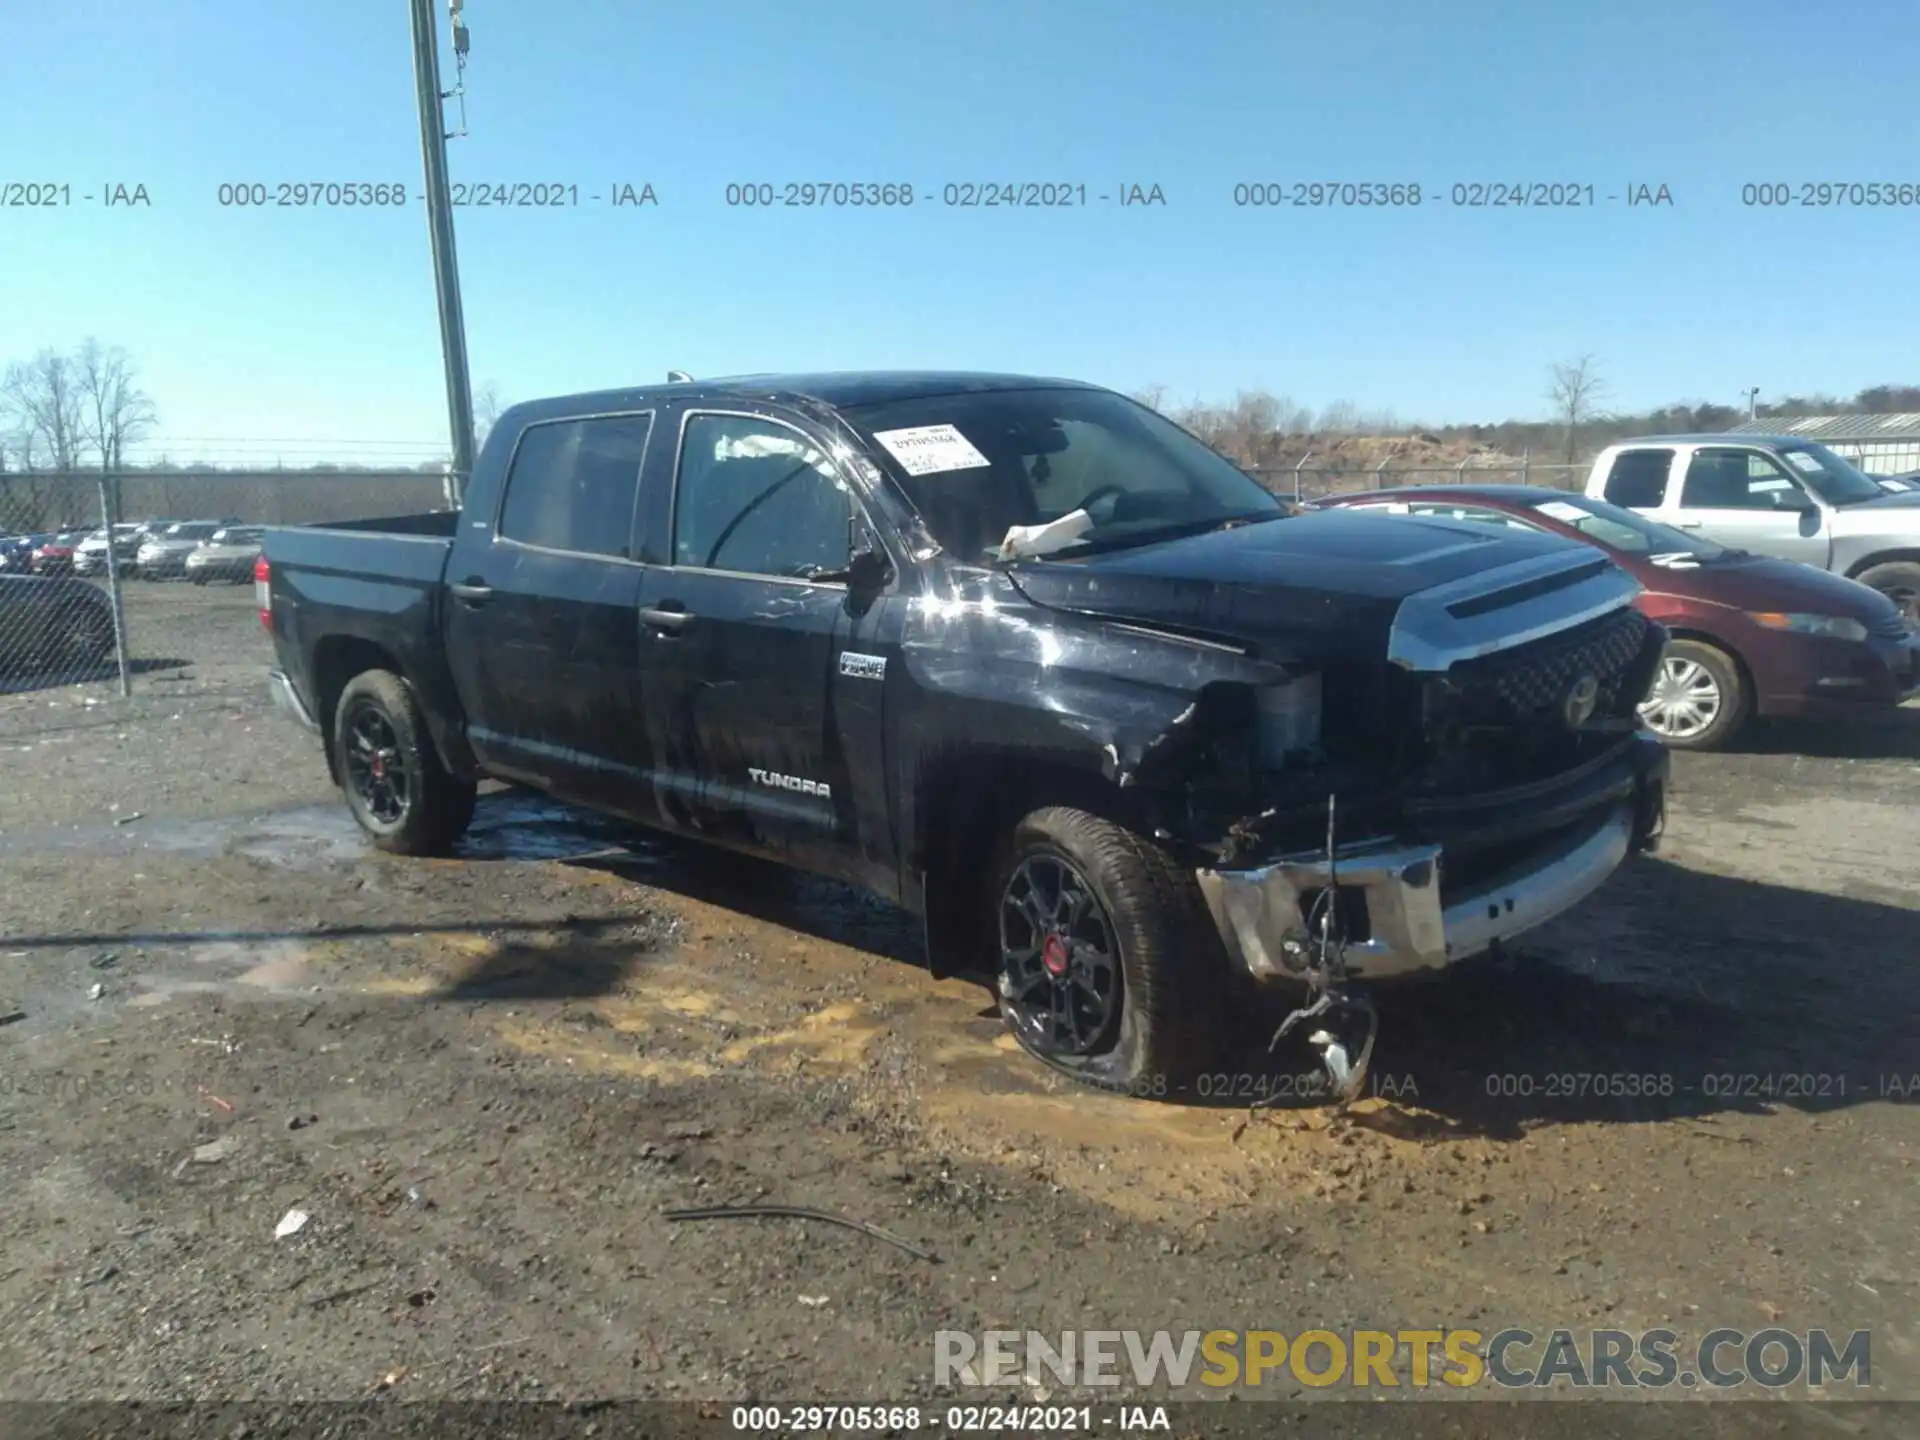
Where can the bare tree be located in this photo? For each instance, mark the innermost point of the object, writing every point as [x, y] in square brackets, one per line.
[45, 409]
[116, 413]
[1575, 391]
[1342, 417]
[486, 411]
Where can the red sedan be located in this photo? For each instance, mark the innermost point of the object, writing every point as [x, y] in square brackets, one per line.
[56, 556]
[1751, 635]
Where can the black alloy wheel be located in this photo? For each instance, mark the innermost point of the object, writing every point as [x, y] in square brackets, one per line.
[1060, 969]
[376, 764]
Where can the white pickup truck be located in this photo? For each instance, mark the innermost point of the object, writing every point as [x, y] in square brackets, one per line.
[1774, 495]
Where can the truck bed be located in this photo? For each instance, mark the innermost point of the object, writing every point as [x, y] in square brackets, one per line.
[370, 589]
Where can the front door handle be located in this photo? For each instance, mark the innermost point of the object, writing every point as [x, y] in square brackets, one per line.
[471, 591]
[673, 621]
[1686, 524]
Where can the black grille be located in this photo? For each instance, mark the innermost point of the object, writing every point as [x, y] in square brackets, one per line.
[1536, 676]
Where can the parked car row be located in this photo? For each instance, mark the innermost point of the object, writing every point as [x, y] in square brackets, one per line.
[1788, 581]
[197, 550]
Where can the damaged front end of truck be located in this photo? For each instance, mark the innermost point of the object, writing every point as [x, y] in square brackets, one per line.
[1489, 776]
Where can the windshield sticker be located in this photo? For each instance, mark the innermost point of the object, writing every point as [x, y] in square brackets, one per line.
[931, 449]
[1563, 512]
[1804, 461]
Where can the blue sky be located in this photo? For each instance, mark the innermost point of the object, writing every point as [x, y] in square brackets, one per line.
[319, 324]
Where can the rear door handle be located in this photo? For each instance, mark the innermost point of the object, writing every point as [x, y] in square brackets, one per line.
[670, 620]
[472, 591]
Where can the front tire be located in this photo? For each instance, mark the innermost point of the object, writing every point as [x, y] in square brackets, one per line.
[1699, 700]
[1109, 967]
[396, 787]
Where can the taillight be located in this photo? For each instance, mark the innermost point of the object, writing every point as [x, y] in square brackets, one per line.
[263, 592]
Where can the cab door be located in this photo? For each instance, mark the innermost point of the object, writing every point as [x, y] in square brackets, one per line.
[764, 673]
[540, 603]
[1746, 499]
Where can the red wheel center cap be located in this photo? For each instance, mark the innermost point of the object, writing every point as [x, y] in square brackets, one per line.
[1053, 955]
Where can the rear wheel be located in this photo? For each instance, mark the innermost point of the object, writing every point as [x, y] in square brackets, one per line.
[1109, 967]
[395, 785]
[1899, 581]
[1699, 700]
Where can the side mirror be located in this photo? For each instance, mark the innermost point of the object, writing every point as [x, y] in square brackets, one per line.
[868, 571]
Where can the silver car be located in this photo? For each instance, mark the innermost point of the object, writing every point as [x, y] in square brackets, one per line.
[90, 556]
[1774, 495]
[228, 555]
[164, 556]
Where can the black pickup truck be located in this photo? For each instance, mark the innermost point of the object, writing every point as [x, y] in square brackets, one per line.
[1018, 654]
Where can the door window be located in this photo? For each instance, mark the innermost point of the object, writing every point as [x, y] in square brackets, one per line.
[573, 483]
[1739, 480]
[759, 498]
[1638, 478]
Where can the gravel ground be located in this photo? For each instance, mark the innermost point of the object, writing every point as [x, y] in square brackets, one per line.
[484, 1078]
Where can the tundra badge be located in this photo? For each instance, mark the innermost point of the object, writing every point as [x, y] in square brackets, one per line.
[791, 782]
[863, 667]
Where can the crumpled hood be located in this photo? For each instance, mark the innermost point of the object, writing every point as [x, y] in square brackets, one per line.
[1326, 584]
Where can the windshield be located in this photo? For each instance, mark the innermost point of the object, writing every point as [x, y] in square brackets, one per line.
[1834, 480]
[977, 465]
[192, 530]
[1620, 529]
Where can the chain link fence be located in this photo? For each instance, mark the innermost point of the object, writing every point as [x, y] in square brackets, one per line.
[1308, 482]
[140, 578]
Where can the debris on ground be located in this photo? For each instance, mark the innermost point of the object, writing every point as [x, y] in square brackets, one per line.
[688, 1130]
[801, 1212]
[291, 1223]
[214, 1151]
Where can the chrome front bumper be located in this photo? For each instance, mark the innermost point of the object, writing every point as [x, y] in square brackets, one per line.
[1258, 911]
[287, 699]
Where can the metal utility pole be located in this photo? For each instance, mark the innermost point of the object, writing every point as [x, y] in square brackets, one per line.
[446, 267]
[1752, 392]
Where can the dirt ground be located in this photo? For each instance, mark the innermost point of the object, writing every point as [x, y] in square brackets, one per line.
[484, 1078]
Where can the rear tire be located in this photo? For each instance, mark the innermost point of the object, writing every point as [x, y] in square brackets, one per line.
[1899, 581]
[1109, 967]
[1699, 699]
[396, 787]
